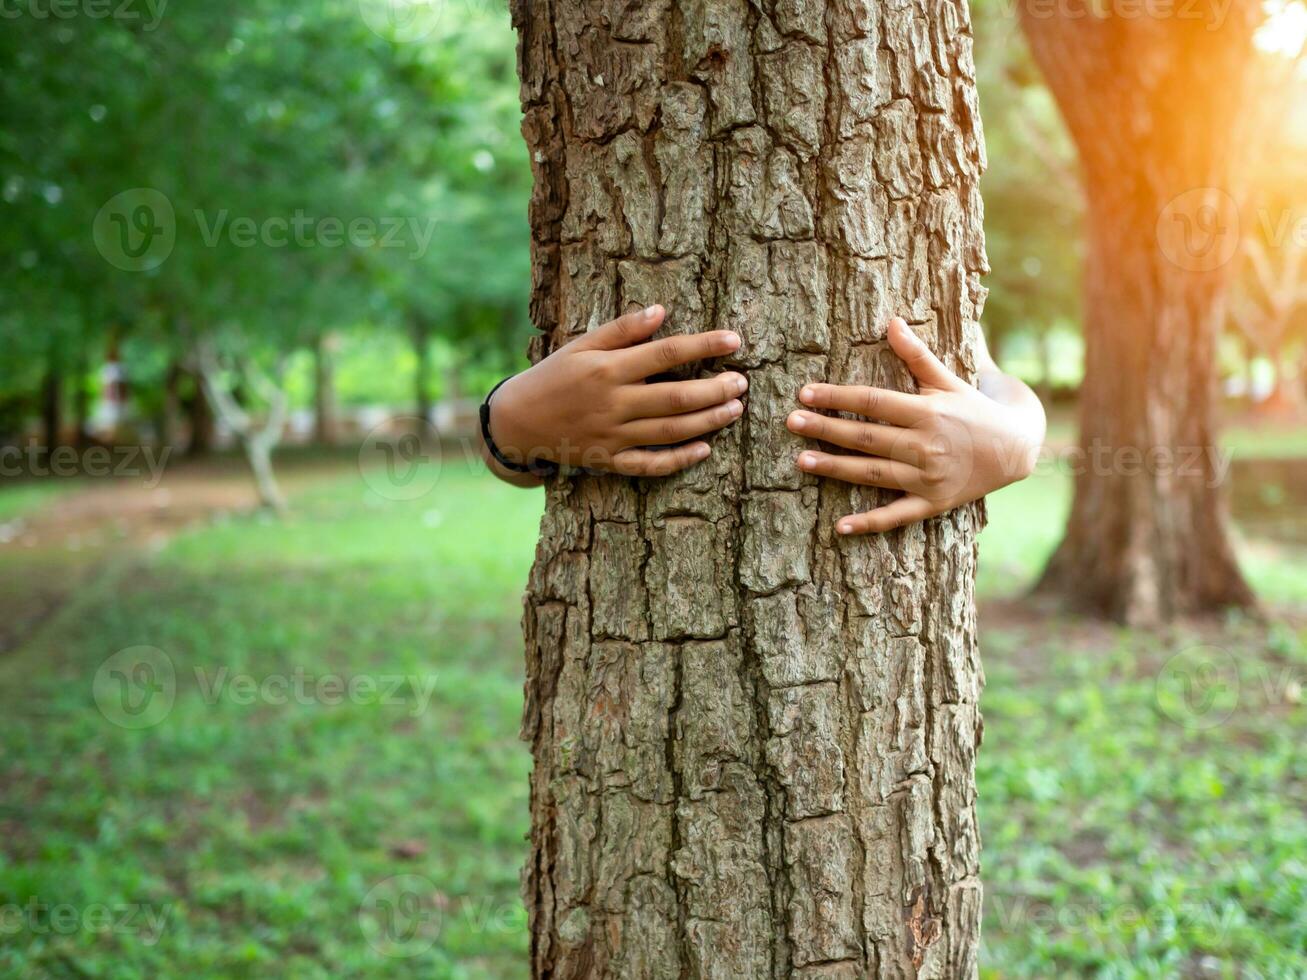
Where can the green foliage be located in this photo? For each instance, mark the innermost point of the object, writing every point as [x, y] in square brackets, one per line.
[285, 169]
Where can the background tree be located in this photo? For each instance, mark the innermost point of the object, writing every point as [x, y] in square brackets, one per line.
[754, 745]
[1161, 110]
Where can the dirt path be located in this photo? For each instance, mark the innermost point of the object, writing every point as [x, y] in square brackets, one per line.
[49, 552]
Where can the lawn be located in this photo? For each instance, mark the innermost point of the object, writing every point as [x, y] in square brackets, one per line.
[334, 730]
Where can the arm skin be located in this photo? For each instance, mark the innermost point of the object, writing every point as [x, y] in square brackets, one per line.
[589, 404]
[943, 447]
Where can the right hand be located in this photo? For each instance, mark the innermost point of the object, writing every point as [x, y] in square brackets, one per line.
[588, 403]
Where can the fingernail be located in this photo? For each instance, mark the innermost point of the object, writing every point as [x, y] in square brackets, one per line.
[741, 384]
[797, 421]
[701, 452]
[737, 408]
[807, 395]
[733, 341]
[650, 312]
[845, 529]
[807, 461]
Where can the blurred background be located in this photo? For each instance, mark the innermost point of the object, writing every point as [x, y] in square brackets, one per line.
[258, 263]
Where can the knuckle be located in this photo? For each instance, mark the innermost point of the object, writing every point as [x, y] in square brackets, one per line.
[874, 472]
[678, 400]
[866, 438]
[669, 432]
[600, 370]
[670, 352]
[871, 401]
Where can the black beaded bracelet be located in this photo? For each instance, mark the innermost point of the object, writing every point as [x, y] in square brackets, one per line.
[541, 468]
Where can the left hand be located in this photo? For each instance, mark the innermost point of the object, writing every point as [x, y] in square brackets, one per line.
[946, 446]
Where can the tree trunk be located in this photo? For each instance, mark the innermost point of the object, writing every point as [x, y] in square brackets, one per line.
[200, 416]
[257, 440]
[81, 404]
[754, 743]
[170, 411]
[258, 453]
[324, 393]
[422, 373]
[1159, 108]
[52, 403]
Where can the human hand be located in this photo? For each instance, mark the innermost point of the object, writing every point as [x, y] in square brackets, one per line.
[588, 403]
[946, 446]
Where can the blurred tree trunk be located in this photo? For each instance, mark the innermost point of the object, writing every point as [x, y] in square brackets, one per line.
[257, 440]
[324, 392]
[420, 329]
[52, 402]
[1162, 111]
[171, 410]
[200, 417]
[81, 403]
[754, 744]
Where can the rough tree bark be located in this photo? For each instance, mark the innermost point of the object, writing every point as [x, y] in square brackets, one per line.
[754, 744]
[1161, 111]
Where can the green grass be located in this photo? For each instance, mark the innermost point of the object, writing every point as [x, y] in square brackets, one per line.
[18, 498]
[268, 837]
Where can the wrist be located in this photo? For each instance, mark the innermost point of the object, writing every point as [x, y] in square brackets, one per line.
[509, 426]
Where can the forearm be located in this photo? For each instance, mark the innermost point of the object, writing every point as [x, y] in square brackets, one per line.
[1012, 393]
[512, 477]
[1015, 394]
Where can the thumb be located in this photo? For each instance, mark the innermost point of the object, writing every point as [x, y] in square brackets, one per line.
[925, 366]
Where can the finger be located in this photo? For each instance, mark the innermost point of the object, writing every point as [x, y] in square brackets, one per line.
[862, 470]
[924, 365]
[895, 407]
[625, 331]
[864, 437]
[678, 351]
[908, 509]
[659, 462]
[678, 397]
[678, 428]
